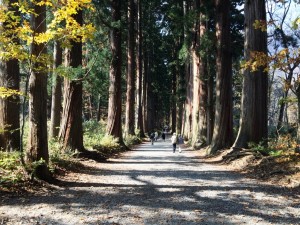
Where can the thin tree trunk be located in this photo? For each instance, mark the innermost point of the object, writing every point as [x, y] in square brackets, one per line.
[56, 93]
[38, 141]
[114, 125]
[254, 119]
[10, 107]
[131, 68]
[71, 131]
[223, 128]
[99, 109]
[174, 98]
[145, 91]
[210, 107]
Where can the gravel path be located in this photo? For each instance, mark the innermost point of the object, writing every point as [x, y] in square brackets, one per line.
[152, 185]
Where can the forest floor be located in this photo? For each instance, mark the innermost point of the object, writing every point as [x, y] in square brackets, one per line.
[153, 185]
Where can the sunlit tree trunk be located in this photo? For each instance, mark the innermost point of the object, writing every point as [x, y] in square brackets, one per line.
[10, 107]
[202, 133]
[187, 109]
[139, 70]
[131, 69]
[71, 131]
[56, 92]
[223, 128]
[38, 141]
[254, 121]
[114, 125]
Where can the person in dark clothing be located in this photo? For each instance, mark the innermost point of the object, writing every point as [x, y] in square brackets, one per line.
[163, 136]
[152, 136]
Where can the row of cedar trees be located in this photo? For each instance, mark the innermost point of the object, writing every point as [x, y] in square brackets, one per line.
[193, 118]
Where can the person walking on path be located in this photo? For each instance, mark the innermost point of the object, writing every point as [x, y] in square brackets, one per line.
[152, 136]
[156, 135]
[174, 141]
[180, 142]
[163, 136]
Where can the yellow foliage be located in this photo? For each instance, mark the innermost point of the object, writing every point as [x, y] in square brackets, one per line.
[63, 27]
[260, 24]
[6, 92]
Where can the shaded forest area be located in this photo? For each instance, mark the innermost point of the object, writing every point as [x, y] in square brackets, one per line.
[91, 78]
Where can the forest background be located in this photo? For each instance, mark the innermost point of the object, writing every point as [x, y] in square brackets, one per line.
[90, 78]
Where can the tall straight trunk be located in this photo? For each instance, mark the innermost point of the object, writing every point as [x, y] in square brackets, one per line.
[99, 108]
[180, 86]
[10, 107]
[174, 98]
[38, 142]
[223, 128]
[131, 69]
[195, 48]
[254, 119]
[71, 131]
[149, 92]
[210, 107]
[114, 125]
[187, 115]
[187, 109]
[56, 92]
[145, 92]
[139, 70]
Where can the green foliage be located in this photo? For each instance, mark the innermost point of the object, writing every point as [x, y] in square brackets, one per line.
[94, 132]
[59, 160]
[265, 150]
[131, 140]
[110, 142]
[11, 170]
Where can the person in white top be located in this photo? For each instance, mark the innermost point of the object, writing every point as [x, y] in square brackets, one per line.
[174, 141]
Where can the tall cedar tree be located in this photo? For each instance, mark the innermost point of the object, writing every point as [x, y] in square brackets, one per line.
[71, 131]
[254, 120]
[38, 141]
[10, 107]
[114, 125]
[131, 69]
[202, 134]
[187, 112]
[223, 128]
[139, 70]
[56, 92]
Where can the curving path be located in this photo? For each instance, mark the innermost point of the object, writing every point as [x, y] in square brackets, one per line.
[152, 185]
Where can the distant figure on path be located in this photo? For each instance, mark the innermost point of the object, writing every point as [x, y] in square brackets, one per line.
[163, 136]
[152, 136]
[180, 142]
[174, 141]
[156, 135]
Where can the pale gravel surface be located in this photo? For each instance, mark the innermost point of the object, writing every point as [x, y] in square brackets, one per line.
[152, 185]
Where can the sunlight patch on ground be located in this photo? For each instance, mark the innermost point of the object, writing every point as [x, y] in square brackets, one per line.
[170, 189]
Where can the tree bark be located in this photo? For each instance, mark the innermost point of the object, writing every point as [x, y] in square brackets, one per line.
[131, 69]
[56, 93]
[38, 142]
[71, 131]
[203, 79]
[223, 128]
[254, 120]
[114, 125]
[139, 69]
[10, 107]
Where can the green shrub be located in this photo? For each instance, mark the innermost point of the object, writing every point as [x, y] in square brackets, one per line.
[93, 133]
[265, 150]
[132, 140]
[11, 169]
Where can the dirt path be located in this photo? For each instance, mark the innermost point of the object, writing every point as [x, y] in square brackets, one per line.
[152, 185]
